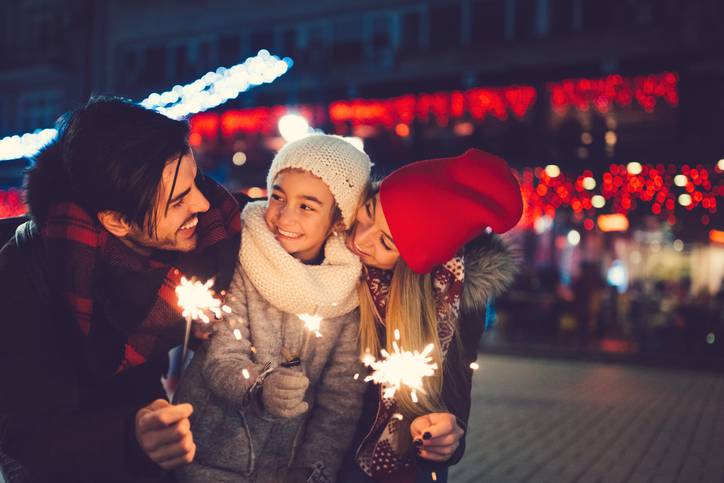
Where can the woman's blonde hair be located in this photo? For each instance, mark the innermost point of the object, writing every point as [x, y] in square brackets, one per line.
[411, 310]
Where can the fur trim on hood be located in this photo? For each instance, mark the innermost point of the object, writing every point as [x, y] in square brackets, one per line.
[490, 268]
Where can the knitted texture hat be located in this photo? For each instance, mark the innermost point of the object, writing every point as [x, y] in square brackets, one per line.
[434, 207]
[344, 168]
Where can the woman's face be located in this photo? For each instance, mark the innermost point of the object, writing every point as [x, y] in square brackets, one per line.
[370, 237]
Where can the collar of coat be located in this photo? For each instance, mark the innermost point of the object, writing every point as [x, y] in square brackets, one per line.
[123, 304]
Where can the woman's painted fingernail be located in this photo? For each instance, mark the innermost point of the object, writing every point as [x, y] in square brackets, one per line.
[427, 435]
[417, 442]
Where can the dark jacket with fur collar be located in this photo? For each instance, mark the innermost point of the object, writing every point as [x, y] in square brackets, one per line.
[59, 418]
[490, 267]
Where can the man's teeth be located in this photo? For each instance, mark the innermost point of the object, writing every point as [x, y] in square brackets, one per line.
[190, 224]
[288, 233]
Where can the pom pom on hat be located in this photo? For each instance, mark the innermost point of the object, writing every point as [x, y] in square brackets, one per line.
[343, 168]
[434, 207]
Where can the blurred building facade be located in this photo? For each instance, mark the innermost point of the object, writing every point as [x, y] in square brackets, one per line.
[587, 87]
[55, 53]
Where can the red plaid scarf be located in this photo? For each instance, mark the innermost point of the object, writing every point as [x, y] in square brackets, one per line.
[124, 304]
[376, 455]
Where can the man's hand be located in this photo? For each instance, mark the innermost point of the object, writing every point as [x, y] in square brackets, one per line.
[436, 436]
[202, 330]
[164, 432]
[283, 393]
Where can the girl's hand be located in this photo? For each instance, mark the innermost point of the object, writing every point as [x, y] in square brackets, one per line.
[436, 436]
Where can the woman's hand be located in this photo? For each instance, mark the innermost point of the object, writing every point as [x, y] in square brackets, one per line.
[436, 436]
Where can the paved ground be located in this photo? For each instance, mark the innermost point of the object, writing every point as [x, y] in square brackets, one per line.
[539, 421]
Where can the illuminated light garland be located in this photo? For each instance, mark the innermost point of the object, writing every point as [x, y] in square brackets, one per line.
[441, 108]
[621, 192]
[212, 89]
[216, 87]
[15, 147]
[655, 189]
[603, 93]
[389, 113]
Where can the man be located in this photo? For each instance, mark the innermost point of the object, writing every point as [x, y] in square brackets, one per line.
[119, 213]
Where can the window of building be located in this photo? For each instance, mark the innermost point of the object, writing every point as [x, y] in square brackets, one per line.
[182, 63]
[290, 42]
[488, 21]
[229, 50]
[595, 15]
[560, 17]
[154, 65]
[38, 109]
[445, 26]
[261, 40]
[42, 25]
[525, 18]
[380, 32]
[411, 22]
[127, 65]
[347, 46]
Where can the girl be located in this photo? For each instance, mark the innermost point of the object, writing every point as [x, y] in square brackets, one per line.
[273, 401]
[422, 285]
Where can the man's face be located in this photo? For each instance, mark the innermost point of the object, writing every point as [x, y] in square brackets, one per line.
[176, 210]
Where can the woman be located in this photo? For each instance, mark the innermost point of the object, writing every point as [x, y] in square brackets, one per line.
[424, 285]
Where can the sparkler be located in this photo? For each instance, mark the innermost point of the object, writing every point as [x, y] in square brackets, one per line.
[312, 322]
[401, 368]
[196, 299]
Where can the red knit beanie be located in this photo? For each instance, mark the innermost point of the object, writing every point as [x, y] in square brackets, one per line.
[434, 207]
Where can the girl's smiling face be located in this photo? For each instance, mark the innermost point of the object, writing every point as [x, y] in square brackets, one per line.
[370, 237]
[300, 213]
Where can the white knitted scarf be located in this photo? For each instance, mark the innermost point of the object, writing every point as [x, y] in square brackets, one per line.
[327, 290]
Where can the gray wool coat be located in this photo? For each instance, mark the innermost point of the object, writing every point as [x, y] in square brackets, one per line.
[237, 440]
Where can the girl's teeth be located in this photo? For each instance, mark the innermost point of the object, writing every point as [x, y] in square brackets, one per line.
[289, 234]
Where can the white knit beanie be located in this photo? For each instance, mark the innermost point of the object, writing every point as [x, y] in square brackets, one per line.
[344, 168]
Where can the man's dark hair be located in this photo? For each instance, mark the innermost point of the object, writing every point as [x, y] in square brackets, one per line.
[109, 155]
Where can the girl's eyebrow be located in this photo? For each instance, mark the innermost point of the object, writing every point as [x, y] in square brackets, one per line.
[312, 198]
[306, 197]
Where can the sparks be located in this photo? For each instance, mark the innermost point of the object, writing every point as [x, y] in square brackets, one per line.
[474, 366]
[356, 376]
[312, 323]
[402, 368]
[368, 358]
[398, 416]
[245, 373]
[196, 298]
[237, 334]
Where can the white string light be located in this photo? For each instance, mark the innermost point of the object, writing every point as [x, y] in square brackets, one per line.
[212, 89]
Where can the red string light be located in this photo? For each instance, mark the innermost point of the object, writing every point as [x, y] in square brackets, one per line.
[602, 93]
[11, 203]
[477, 104]
[622, 192]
